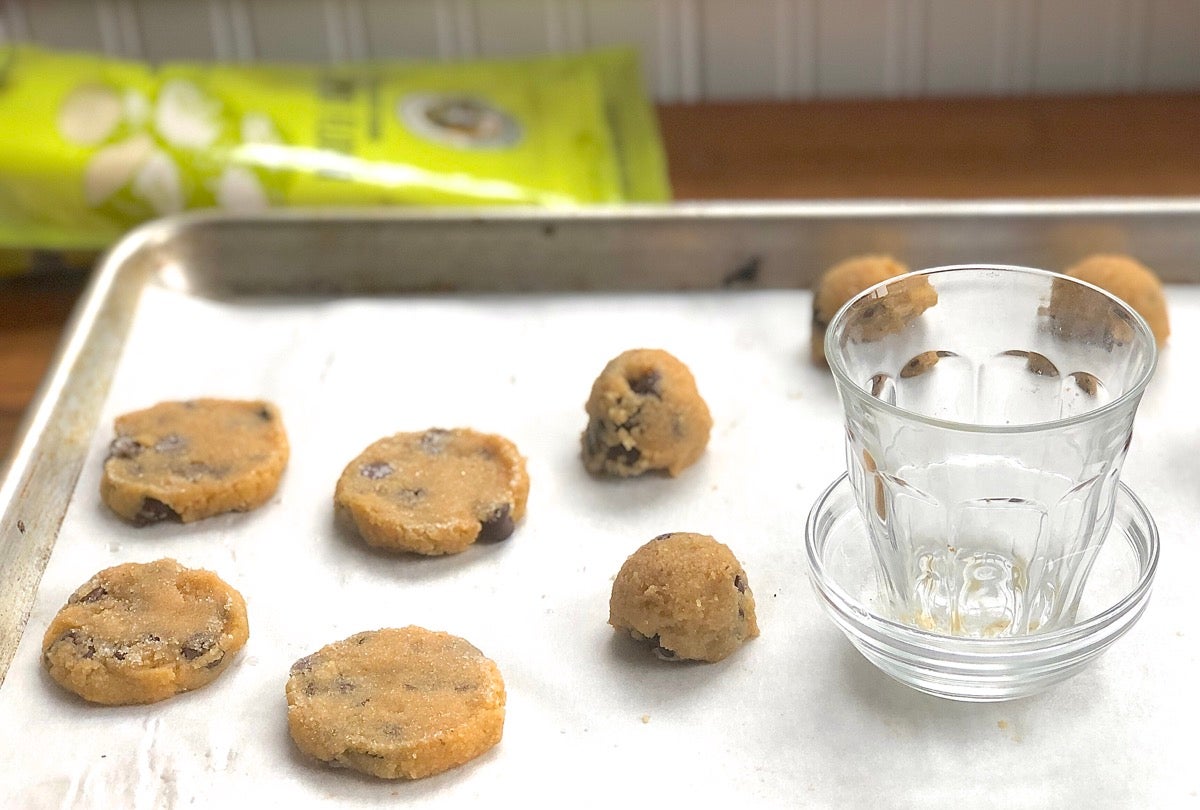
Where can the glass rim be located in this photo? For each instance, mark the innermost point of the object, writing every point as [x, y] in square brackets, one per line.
[846, 383]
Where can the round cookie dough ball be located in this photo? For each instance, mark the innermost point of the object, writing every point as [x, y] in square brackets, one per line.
[842, 282]
[1132, 282]
[644, 413]
[687, 595]
[396, 703]
[142, 632]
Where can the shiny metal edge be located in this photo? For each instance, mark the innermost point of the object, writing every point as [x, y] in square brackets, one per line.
[664, 248]
[686, 246]
[821, 208]
[56, 430]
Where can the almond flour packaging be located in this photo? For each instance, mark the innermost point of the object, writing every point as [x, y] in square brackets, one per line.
[91, 146]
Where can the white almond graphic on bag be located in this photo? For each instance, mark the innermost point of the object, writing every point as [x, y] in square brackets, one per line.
[185, 117]
[112, 167]
[158, 183]
[89, 114]
[259, 128]
[238, 189]
[137, 108]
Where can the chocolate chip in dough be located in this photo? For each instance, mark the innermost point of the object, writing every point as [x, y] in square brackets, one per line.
[124, 447]
[647, 384]
[376, 470]
[154, 511]
[94, 595]
[197, 646]
[497, 526]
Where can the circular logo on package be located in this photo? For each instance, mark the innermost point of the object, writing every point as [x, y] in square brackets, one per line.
[465, 122]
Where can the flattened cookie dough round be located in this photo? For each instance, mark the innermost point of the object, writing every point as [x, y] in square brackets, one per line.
[190, 460]
[687, 595]
[644, 413]
[396, 703]
[142, 632]
[435, 492]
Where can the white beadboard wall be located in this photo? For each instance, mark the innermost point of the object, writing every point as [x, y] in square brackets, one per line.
[693, 50]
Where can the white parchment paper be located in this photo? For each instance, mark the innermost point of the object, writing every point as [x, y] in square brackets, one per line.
[795, 718]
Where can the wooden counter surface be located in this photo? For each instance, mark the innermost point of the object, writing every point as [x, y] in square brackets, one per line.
[1126, 146]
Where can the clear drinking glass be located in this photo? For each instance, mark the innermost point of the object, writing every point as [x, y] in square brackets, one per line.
[988, 411]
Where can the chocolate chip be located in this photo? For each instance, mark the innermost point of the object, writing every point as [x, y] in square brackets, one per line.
[303, 665]
[463, 687]
[664, 536]
[647, 383]
[197, 646]
[310, 688]
[622, 455]
[119, 655]
[392, 729]
[498, 525]
[632, 421]
[86, 645]
[94, 595]
[411, 496]
[124, 447]
[345, 685]
[171, 443]
[216, 662]
[434, 440]
[655, 644]
[376, 470]
[408, 687]
[154, 511]
[739, 583]
[660, 651]
[21, 526]
[264, 414]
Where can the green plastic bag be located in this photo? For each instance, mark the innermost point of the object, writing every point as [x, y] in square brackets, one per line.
[90, 146]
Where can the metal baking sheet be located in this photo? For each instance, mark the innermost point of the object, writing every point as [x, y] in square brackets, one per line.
[360, 325]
